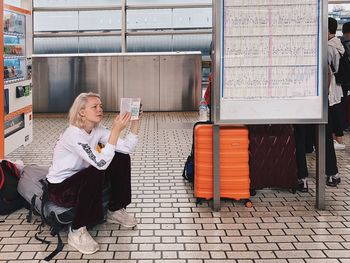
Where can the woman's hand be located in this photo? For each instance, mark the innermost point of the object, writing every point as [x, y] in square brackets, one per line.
[121, 121]
[119, 124]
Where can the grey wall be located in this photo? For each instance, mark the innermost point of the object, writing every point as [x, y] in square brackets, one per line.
[165, 82]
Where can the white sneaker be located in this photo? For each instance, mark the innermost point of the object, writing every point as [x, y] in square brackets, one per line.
[81, 240]
[339, 146]
[121, 217]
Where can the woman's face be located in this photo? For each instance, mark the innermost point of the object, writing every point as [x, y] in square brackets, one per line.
[93, 111]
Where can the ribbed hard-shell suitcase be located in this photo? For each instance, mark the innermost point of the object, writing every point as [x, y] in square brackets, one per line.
[234, 167]
[272, 159]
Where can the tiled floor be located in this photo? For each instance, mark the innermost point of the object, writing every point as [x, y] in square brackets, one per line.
[280, 227]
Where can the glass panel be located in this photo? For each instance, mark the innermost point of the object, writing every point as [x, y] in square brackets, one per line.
[75, 3]
[13, 125]
[192, 17]
[13, 2]
[168, 2]
[169, 18]
[56, 45]
[99, 20]
[13, 68]
[14, 23]
[149, 19]
[341, 12]
[192, 43]
[101, 44]
[13, 46]
[55, 21]
[149, 43]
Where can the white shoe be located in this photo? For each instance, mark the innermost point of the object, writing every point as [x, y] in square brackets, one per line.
[121, 217]
[81, 240]
[338, 146]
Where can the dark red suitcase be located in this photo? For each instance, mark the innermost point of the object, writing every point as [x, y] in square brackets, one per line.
[272, 161]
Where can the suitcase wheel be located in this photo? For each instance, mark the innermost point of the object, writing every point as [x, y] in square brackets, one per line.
[248, 203]
[294, 190]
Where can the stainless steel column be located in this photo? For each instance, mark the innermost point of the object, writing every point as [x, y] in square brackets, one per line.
[216, 168]
[321, 166]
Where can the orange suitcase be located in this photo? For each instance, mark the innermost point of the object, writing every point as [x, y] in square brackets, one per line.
[234, 163]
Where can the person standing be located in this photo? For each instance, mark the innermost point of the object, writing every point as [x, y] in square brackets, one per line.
[335, 51]
[345, 40]
[301, 130]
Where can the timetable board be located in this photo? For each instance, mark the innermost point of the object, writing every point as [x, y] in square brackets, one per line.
[271, 63]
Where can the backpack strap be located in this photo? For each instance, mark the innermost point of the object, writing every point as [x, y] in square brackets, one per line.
[44, 199]
[55, 227]
[31, 210]
[332, 66]
[55, 230]
[2, 179]
[58, 249]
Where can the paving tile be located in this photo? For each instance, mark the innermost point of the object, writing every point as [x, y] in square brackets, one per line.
[281, 227]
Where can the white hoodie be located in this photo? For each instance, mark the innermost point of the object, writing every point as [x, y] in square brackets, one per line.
[76, 150]
[335, 48]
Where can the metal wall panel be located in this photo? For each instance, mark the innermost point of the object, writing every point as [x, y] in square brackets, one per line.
[179, 77]
[141, 80]
[169, 82]
[40, 84]
[95, 75]
[53, 84]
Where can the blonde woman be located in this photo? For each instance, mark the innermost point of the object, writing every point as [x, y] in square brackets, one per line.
[78, 169]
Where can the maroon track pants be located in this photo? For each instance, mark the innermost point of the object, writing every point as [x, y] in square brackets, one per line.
[83, 190]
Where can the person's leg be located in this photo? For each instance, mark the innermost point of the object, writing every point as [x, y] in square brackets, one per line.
[300, 144]
[347, 108]
[119, 174]
[309, 138]
[83, 190]
[337, 126]
[331, 159]
[343, 105]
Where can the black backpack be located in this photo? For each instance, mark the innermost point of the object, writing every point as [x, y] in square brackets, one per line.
[10, 199]
[33, 188]
[188, 172]
[342, 77]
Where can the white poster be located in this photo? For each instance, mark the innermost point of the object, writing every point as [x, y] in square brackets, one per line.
[270, 49]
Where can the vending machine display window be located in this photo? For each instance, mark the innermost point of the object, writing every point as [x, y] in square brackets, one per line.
[14, 47]
[14, 125]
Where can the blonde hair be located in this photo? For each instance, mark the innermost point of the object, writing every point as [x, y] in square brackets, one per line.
[79, 104]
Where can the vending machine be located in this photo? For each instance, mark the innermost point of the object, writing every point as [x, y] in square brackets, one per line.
[17, 79]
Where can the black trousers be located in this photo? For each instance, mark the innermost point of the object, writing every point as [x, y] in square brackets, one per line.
[301, 134]
[83, 190]
[336, 113]
[344, 106]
